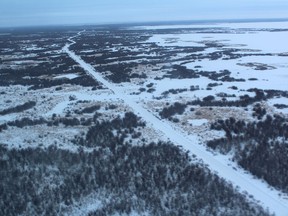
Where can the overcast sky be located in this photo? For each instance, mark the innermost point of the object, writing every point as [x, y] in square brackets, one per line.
[50, 12]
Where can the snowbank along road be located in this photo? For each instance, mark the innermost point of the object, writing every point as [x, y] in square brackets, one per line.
[267, 197]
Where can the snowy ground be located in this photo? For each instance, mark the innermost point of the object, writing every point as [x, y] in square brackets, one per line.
[256, 49]
[267, 197]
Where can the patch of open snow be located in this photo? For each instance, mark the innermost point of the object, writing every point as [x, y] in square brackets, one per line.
[88, 204]
[281, 100]
[42, 136]
[68, 76]
[7, 118]
[87, 51]
[174, 40]
[266, 79]
[26, 62]
[33, 47]
[256, 40]
[58, 109]
[102, 96]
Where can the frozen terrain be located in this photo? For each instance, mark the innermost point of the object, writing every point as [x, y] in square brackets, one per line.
[216, 91]
[270, 198]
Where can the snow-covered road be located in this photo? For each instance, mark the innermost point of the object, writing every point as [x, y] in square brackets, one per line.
[268, 198]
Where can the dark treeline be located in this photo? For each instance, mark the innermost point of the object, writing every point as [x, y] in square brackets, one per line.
[112, 133]
[176, 108]
[17, 77]
[55, 121]
[121, 72]
[181, 72]
[210, 101]
[155, 178]
[259, 146]
[90, 109]
[19, 108]
[243, 101]
[158, 178]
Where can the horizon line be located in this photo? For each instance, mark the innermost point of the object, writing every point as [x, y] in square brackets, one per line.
[160, 22]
